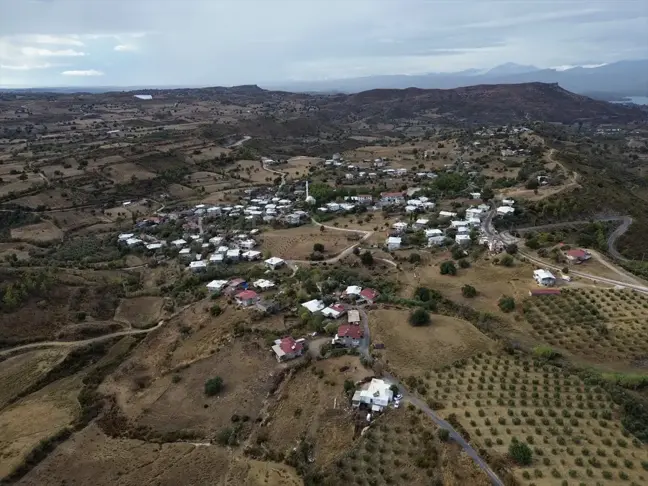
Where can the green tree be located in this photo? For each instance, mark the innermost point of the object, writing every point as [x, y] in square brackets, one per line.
[215, 310]
[319, 247]
[507, 260]
[520, 453]
[420, 317]
[366, 258]
[506, 303]
[444, 435]
[468, 291]
[511, 249]
[448, 268]
[213, 386]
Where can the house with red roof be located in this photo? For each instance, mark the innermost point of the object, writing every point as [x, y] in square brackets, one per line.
[349, 335]
[334, 311]
[247, 298]
[288, 348]
[578, 255]
[369, 295]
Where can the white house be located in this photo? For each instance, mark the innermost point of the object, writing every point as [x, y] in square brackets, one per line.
[458, 224]
[400, 226]
[447, 214]
[393, 243]
[234, 254]
[334, 311]
[411, 209]
[421, 223]
[185, 253]
[544, 277]
[508, 202]
[251, 255]
[474, 213]
[154, 246]
[247, 244]
[217, 258]
[134, 241]
[179, 243]
[216, 285]
[504, 210]
[462, 239]
[263, 284]
[392, 198]
[353, 290]
[437, 240]
[314, 305]
[274, 262]
[377, 395]
[198, 266]
[125, 236]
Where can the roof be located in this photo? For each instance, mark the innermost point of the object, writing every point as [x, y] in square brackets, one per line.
[392, 194]
[353, 290]
[274, 261]
[235, 282]
[217, 284]
[288, 345]
[350, 331]
[247, 295]
[542, 274]
[544, 292]
[394, 239]
[577, 253]
[314, 305]
[354, 315]
[370, 294]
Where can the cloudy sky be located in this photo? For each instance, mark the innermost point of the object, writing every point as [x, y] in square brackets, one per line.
[226, 42]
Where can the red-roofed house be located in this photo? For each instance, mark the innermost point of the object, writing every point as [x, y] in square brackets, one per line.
[334, 311]
[577, 256]
[369, 295]
[349, 335]
[392, 197]
[247, 298]
[288, 348]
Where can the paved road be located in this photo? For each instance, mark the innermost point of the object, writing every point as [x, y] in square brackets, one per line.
[83, 342]
[506, 239]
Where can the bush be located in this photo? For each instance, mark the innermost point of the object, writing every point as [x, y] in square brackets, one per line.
[448, 268]
[215, 310]
[414, 258]
[420, 317]
[468, 291]
[463, 263]
[366, 258]
[520, 453]
[506, 303]
[507, 260]
[318, 247]
[444, 435]
[213, 386]
[511, 249]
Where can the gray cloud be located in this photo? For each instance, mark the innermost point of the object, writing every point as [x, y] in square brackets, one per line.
[207, 42]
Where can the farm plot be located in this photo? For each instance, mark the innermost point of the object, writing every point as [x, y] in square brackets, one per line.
[19, 372]
[297, 243]
[313, 404]
[606, 325]
[252, 170]
[416, 350]
[34, 418]
[571, 427]
[403, 447]
[126, 172]
[43, 232]
[50, 198]
[17, 186]
[177, 402]
[140, 312]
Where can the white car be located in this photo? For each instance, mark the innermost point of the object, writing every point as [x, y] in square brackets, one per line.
[396, 404]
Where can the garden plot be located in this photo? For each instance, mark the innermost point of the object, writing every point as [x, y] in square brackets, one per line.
[127, 172]
[402, 447]
[297, 243]
[572, 428]
[602, 324]
[43, 232]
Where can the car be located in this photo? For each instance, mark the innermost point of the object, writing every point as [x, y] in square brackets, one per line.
[396, 404]
[398, 397]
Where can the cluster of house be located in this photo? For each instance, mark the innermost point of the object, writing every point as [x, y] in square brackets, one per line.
[506, 207]
[371, 169]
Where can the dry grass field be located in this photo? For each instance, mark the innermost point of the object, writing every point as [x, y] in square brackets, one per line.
[17, 186]
[19, 372]
[312, 404]
[140, 312]
[402, 447]
[42, 232]
[91, 457]
[54, 198]
[416, 350]
[252, 170]
[602, 325]
[297, 243]
[34, 418]
[165, 404]
[571, 427]
[126, 172]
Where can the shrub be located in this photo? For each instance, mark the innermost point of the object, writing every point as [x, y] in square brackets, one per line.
[444, 435]
[215, 310]
[448, 268]
[419, 317]
[463, 263]
[468, 291]
[506, 303]
[318, 247]
[520, 453]
[507, 260]
[213, 386]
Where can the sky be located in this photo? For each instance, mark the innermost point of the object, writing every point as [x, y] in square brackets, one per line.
[230, 42]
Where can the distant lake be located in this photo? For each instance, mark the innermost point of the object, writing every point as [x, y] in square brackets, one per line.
[637, 100]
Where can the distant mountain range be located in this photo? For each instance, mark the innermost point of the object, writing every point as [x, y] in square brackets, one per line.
[612, 81]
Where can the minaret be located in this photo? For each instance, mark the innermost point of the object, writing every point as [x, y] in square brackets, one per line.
[309, 199]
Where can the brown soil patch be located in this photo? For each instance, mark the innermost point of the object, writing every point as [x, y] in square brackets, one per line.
[297, 243]
[140, 312]
[39, 232]
[126, 172]
[415, 350]
[313, 404]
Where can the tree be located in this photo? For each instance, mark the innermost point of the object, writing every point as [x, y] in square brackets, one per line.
[349, 387]
[420, 317]
[511, 249]
[319, 247]
[448, 268]
[444, 435]
[213, 386]
[423, 294]
[506, 303]
[366, 258]
[215, 310]
[507, 260]
[463, 263]
[468, 291]
[487, 193]
[414, 258]
[520, 453]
